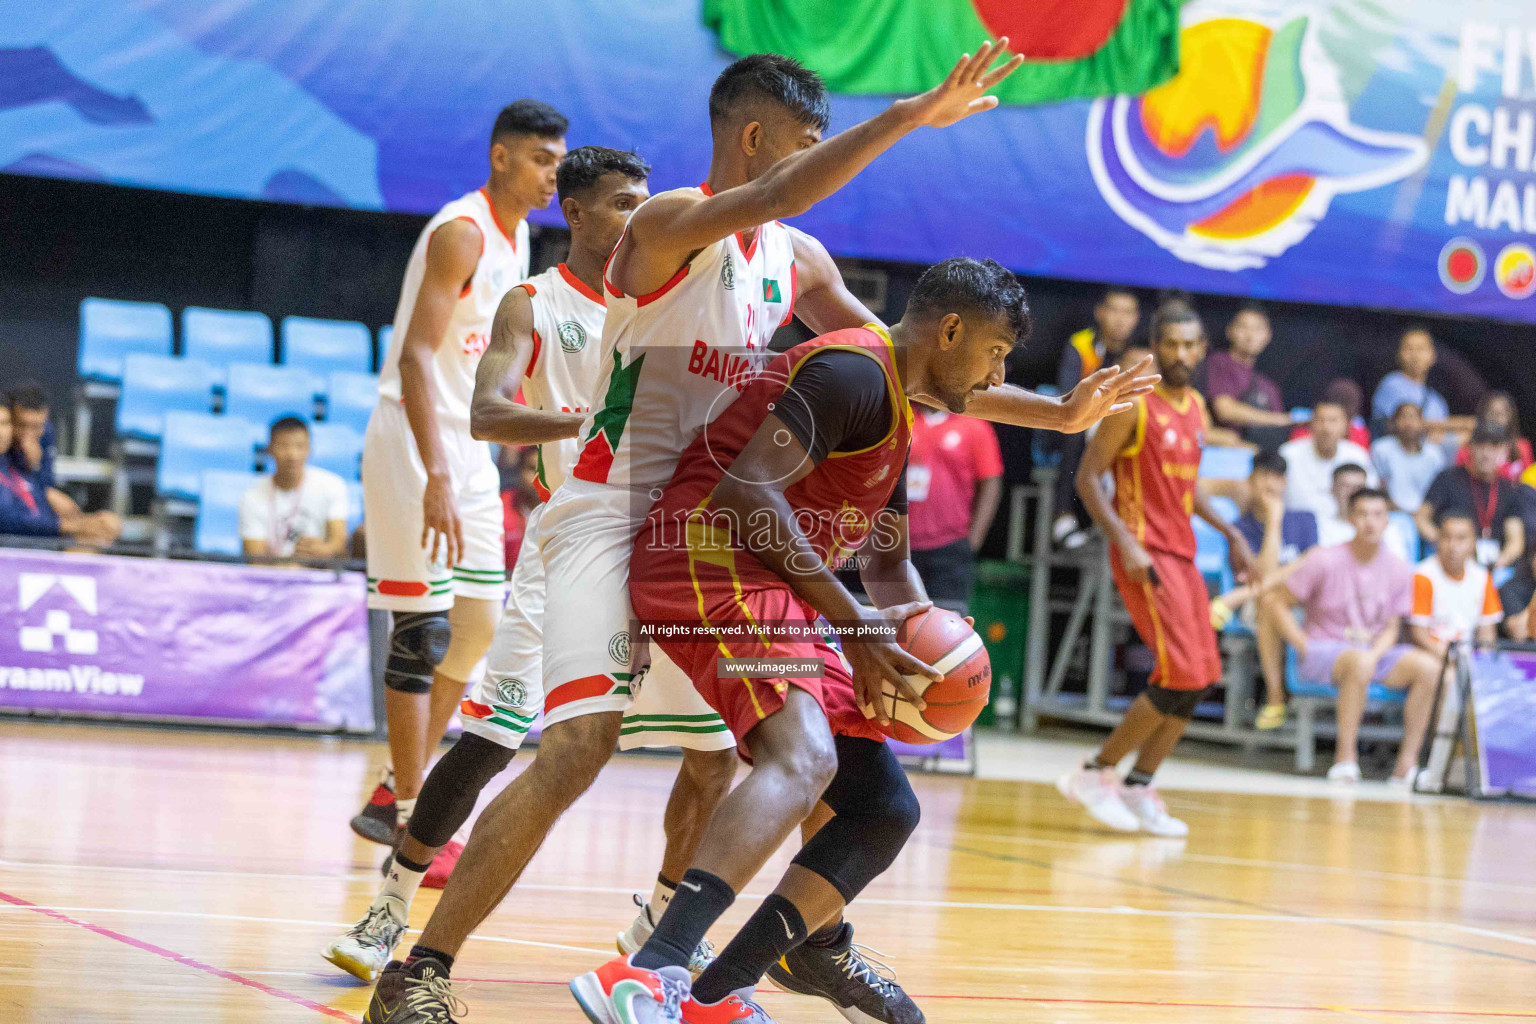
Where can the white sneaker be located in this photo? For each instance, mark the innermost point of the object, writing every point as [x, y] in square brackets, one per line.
[1151, 812]
[1345, 773]
[639, 932]
[1064, 526]
[366, 947]
[1404, 782]
[1099, 794]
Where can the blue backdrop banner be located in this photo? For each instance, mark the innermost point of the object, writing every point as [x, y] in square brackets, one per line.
[1344, 152]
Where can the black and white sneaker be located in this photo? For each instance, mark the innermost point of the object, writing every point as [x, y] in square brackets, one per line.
[418, 993]
[863, 989]
[376, 821]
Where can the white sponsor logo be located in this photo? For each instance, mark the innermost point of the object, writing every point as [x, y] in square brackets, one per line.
[72, 679]
[57, 624]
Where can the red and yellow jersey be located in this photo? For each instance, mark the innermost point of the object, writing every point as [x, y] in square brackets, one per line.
[1155, 474]
[836, 504]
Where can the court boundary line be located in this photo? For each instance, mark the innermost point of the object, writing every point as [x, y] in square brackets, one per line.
[178, 958]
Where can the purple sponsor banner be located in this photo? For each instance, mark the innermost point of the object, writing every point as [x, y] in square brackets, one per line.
[1504, 702]
[148, 638]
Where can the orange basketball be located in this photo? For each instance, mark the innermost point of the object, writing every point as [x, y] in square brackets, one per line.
[948, 643]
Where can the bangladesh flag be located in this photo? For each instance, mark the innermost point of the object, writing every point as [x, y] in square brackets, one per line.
[1073, 48]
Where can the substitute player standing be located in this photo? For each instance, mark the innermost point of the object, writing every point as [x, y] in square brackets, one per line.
[546, 340]
[1154, 451]
[430, 491]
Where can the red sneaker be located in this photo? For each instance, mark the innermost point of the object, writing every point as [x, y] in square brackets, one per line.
[738, 1006]
[442, 866]
[376, 821]
[620, 993]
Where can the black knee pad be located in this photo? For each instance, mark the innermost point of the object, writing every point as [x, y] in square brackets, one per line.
[417, 645]
[447, 798]
[875, 814]
[1175, 703]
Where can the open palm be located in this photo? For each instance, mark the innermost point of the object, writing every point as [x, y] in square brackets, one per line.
[1106, 392]
[964, 92]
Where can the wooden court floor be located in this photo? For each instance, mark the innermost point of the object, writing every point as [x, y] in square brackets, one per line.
[153, 876]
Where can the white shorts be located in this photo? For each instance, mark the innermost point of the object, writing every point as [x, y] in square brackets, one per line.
[591, 664]
[660, 705]
[400, 577]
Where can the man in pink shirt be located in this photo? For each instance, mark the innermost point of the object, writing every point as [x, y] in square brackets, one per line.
[954, 480]
[1355, 597]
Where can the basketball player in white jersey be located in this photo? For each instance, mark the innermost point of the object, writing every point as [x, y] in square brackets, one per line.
[699, 283]
[547, 338]
[431, 496]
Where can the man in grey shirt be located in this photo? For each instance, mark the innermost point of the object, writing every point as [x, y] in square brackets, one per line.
[1405, 459]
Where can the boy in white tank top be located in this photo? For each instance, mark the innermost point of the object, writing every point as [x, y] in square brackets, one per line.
[430, 491]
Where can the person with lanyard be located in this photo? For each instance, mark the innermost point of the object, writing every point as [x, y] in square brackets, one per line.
[1478, 489]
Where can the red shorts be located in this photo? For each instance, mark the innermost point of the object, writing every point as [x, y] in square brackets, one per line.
[666, 587]
[1174, 619]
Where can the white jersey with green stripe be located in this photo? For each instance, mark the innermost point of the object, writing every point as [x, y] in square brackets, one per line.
[673, 359]
[567, 357]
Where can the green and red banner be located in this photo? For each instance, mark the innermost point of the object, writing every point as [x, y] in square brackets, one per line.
[1074, 48]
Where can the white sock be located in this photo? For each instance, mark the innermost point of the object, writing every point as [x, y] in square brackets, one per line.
[660, 897]
[403, 810]
[399, 888]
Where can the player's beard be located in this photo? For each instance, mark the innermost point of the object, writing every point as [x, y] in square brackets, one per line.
[1178, 375]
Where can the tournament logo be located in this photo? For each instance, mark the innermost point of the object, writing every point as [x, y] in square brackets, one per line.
[1238, 157]
[618, 647]
[1462, 266]
[512, 692]
[573, 337]
[1514, 271]
[728, 273]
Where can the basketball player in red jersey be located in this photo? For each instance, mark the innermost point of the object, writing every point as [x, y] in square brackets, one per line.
[788, 481]
[1154, 451]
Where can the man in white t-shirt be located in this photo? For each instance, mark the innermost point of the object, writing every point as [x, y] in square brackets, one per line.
[1454, 599]
[1310, 462]
[300, 511]
[1401, 538]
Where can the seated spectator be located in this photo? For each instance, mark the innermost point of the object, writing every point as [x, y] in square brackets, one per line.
[1410, 383]
[1312, 460]
[1454, 600]
[31, 452]
[1348, 394]
[1498, 409]
[1477, 490]
[24, 511]
[1406, 463]
[1354, 598]
[519, 496]
[300, 511]
[1402, 537]
[954, 482]
[1280, 538]
[1516, 592]
[1241, 398]
[1114, 321]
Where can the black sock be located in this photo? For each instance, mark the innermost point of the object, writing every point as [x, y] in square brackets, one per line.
[775, 929]
[409, 864]
[1093, 764]
[422, 952]
[828, 935]
[1138, 778]
[701, 899]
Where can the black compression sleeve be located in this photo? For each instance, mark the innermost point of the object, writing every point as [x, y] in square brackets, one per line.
[838, 401]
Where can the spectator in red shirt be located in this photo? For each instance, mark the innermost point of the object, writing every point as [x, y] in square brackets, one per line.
[518, 497]
[1498, 408]
[954, 481]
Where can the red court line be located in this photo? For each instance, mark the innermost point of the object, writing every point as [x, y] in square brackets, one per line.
[178, 958]
[1129, 1002]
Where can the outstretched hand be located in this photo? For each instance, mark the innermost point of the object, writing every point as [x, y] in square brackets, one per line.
[1106, 392]
[963, 93]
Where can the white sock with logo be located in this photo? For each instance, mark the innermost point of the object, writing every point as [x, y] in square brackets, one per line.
[660, 897]
[399, 889]
[403, 811]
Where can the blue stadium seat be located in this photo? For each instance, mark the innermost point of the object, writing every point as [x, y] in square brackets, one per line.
[336, 447]
[386, 335]
[1226, 508]
[197, 442]
[354, 505]
[1211, 556]
[1219, 463]
[218, 512]
[1406, 532]
[156, 385]
[321, 346]
[1298, 687]
[220, 337]
[350, 398]
[263, 393]
[110, 330]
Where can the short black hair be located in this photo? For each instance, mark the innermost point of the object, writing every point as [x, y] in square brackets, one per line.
[529, 117]
[1445, 515]
[28, 395]
[781, 80]
[1366, 493]
[1337, 403]
[1256, 308]
[1417, 328]
[961, 284]
[1269, 462]
[585, 166]
[1112, 290]
[284, 424]
[1349, 467]
[1415, 406]
[1172, 311]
